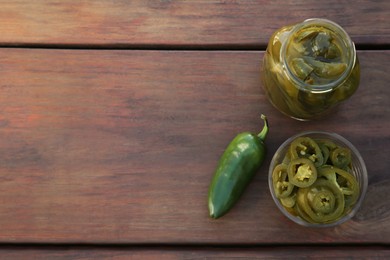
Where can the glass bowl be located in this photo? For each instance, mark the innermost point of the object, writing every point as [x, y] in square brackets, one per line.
[358, 169]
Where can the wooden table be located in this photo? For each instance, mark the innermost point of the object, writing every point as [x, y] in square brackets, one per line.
[113, 115]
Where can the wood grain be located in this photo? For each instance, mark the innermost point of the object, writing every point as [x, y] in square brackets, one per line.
[120, 146]
[174, 22]
[299, 252]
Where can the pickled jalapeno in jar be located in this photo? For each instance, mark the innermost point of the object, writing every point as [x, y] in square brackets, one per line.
[309, 68]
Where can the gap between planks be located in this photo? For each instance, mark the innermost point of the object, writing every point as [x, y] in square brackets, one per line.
[166, 47]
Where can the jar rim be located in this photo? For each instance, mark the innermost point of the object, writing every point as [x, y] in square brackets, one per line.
[343, 36]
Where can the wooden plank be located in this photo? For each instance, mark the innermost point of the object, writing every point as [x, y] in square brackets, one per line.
[120, 146]
[20, 252]
[172, 22]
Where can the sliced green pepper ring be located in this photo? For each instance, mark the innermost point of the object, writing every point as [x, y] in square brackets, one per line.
[325, 152]
[326, 147]
[344, 180]
[349, 186]
[301, 213]
[280, 180]
[289, 201]
[329, 144]
[286, 159]
[302, 172]
[305, 147]
[322, 202]
[341, 157]
[328, 173]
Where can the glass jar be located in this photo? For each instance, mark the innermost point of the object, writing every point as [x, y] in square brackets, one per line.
[309, 68]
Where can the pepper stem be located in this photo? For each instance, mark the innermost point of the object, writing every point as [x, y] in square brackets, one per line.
[263, 132]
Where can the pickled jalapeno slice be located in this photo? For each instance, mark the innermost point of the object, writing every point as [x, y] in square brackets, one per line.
[302, 214]
[322, 202]
[307, 34]
[349, 186]
[346, 182]
[333, 52]
[305, 147]
[321, 43]
[302, 172]
[329, 144]
[280, 180]
[341, 157]
[325, 69]
[289, 201]
[326, 147]
[327, 172]
[302, 69]
[325, 152]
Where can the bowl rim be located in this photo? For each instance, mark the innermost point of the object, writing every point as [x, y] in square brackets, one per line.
[339, 139]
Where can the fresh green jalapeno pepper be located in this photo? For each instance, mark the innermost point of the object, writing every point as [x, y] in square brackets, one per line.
[236, 168]
[302, 172]
[305, 147]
